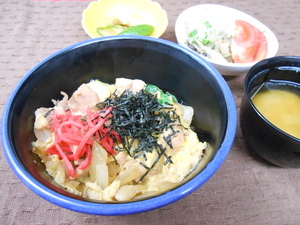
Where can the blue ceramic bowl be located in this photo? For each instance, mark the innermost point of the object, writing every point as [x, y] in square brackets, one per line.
[156, 61]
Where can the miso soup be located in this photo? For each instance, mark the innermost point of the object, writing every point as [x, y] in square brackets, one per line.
[280, 104]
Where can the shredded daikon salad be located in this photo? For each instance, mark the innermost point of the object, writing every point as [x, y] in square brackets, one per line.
[118, 142]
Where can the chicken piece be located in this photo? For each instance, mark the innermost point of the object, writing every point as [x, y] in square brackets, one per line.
[137, 85]
[83, 98]
[61, 106]
[122, 84]
[134, 86]
[103, 90]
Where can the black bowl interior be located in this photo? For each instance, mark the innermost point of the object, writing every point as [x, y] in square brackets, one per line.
[267, 140]
[155, 63]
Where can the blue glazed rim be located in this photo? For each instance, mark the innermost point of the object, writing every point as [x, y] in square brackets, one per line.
[131, 207]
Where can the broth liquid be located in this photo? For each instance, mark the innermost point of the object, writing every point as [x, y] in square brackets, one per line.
[279, 102]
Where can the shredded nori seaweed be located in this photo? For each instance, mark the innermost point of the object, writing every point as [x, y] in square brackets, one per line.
[139, 119]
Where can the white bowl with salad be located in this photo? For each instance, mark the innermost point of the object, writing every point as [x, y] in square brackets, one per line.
[231, 40]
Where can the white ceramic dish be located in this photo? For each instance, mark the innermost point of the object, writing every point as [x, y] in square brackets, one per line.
[207, 12]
